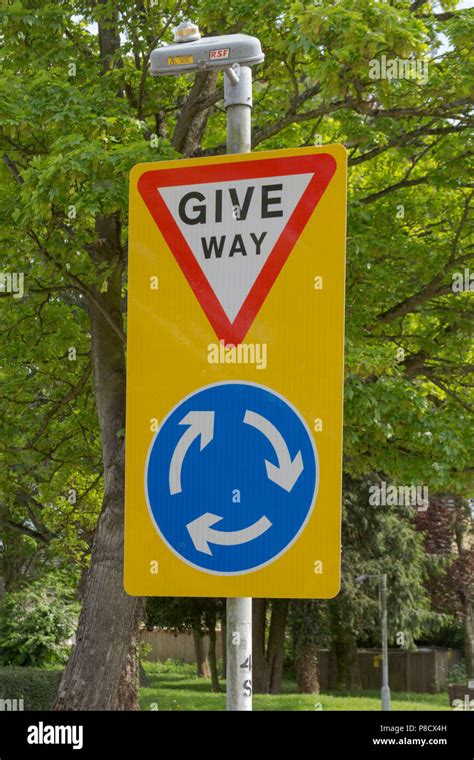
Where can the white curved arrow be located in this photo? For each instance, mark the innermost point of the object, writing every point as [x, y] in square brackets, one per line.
[202, 534]
[200, 424]
[288, 471]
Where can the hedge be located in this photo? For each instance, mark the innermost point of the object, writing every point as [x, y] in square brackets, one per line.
[37, 687]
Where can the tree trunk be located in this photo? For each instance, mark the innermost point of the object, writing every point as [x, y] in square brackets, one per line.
[354, 680]
[344, 662]
[202, 664]
[306, 668]
[276, 643]
[215, 686]
[192, 120]
[260, 673]
[267, 662]
[224, 644]
[469, 637]
[102, 672]
[332, 669]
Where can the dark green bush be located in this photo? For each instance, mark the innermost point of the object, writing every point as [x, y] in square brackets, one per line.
[37, 687]
[35, 626]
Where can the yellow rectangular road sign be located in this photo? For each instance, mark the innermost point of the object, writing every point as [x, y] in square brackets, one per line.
[235, 375]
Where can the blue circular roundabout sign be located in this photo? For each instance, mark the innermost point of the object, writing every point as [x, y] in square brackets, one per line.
[231, 477]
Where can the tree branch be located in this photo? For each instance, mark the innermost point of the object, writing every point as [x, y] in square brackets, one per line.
[81, 286]
[437, 286]
[12, 168]
[405, 138]
[67, 398]
[192, 120]
[392, 188]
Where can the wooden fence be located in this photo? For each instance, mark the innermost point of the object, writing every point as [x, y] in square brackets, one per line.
[424, 670]
[170, 646]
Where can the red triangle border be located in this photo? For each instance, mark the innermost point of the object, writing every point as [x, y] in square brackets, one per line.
[323, 165]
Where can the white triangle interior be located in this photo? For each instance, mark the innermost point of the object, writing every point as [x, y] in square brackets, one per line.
[232, 274]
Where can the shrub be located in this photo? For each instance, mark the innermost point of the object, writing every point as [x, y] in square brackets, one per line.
[34, 628]
[37, 687]
[175, 667]
[457, 672]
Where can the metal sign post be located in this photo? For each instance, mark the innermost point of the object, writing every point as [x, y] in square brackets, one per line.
[385, 690]
[238, 105]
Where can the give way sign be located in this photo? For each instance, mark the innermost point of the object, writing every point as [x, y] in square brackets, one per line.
[235, 373]
[232, 234]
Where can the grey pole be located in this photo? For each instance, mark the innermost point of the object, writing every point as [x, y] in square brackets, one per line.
[385, 692]
[239, 654]
[238, 104]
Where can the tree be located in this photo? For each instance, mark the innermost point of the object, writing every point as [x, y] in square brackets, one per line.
[307, 632]
[80, 109]
[447, 530]
[268, 654]
[375, 539]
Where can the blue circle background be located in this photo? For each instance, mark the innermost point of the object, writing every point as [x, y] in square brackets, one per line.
[234, 459]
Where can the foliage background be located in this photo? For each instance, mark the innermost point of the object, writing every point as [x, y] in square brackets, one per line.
[79, 110]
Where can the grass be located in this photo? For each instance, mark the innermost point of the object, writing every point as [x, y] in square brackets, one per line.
[175, 686]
